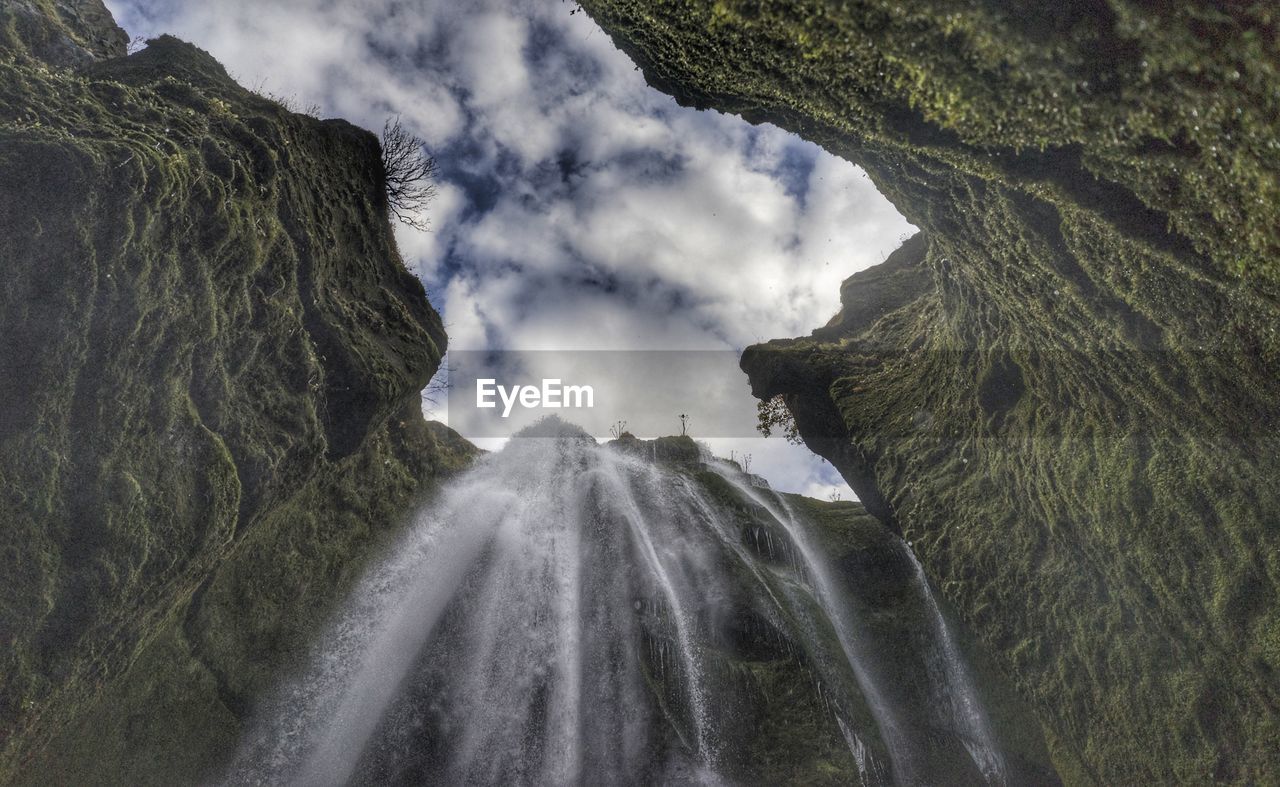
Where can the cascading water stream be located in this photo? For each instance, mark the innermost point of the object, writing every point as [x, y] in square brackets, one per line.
[568, 613]
[694, 691]
[891, 727]
[956, 691]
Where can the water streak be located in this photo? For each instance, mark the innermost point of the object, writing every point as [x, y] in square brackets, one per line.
[957, 694]
[902, 751]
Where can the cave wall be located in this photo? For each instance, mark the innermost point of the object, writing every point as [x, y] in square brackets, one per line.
[178, 714]
[1065, 390]
[210, 364]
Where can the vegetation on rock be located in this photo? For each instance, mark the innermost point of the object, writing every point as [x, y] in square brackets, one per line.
[205, 328]
[1066, 389]
[179, 712]
[60, 32]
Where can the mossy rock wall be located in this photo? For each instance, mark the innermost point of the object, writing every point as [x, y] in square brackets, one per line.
[177, 715]
[1066, 390]
[60, 32]
[202, 316]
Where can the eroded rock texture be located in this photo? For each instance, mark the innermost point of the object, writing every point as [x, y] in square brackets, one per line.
[210, 364]
[1065, 389]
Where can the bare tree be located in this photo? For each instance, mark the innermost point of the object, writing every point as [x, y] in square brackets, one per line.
[438, 388]
[410, 174]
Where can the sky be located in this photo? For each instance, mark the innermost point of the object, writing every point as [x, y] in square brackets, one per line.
[577, 208]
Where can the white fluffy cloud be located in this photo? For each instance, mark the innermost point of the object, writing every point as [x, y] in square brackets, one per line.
[578, 208]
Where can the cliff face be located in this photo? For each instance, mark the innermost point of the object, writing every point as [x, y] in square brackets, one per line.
[1065, 390]
[203, 322]
[60, 32]
[178, 712]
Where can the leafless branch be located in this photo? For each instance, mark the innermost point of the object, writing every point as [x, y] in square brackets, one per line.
[410, 174]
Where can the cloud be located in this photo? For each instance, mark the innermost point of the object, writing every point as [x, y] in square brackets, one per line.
[578, 208]
[424, 249]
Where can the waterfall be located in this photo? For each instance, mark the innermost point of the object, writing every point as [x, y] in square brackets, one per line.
[955, 692]
[847, 630]
[569, 613]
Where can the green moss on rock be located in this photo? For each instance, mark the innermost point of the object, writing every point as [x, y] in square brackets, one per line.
[203, 315]
[60, 32]
[677, 450]
[177, 714]
[1065, 391]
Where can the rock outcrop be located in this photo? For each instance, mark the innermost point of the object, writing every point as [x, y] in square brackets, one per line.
[210, 364]
[60, 32]
[1066, 390]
